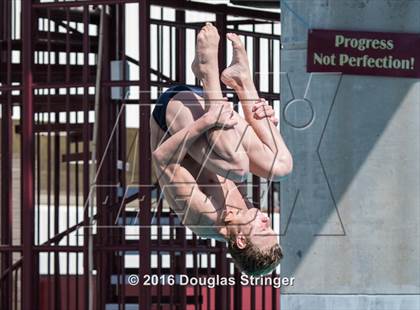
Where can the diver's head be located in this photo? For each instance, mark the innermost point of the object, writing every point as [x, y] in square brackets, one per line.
[251, 241]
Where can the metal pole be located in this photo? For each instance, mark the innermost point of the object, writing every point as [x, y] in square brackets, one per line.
[221, 261]
[144, 151]
[86, 180]
[122, 145]
[180, 47]
[6, 166]
[57, 170]
[256, 194]
[93, 174]
[27, 156]
[179, 260]
[106, 164]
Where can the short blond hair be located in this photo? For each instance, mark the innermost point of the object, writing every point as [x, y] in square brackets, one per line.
[253, 261]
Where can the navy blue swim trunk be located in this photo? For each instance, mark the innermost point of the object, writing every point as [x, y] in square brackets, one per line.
[159, 112]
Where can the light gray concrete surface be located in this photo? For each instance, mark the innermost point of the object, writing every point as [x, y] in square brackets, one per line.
[350, 211]
[350, 302]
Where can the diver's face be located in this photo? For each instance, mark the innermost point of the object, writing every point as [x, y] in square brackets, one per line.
[256, 226]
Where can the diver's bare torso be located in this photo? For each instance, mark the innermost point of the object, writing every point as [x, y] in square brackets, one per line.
[223, 192]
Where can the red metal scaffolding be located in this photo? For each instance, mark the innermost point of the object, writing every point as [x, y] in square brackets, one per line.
[48, 69]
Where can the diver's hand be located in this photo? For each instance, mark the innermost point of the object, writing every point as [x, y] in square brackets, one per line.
[262, 110]
[221, 115]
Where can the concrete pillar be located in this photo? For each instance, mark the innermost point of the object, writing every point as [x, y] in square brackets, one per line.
[350, 211]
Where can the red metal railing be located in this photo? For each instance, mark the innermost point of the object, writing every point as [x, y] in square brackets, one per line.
[49, 54]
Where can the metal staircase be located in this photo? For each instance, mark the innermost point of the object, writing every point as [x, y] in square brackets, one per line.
[59, 49]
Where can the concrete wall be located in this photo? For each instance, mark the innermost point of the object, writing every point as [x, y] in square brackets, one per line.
[351, 209]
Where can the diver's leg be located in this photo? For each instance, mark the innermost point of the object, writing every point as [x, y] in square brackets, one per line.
[206, 68]
[272, 159]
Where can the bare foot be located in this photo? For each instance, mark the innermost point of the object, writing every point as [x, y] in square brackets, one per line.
[205, 60]
[238, 71]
